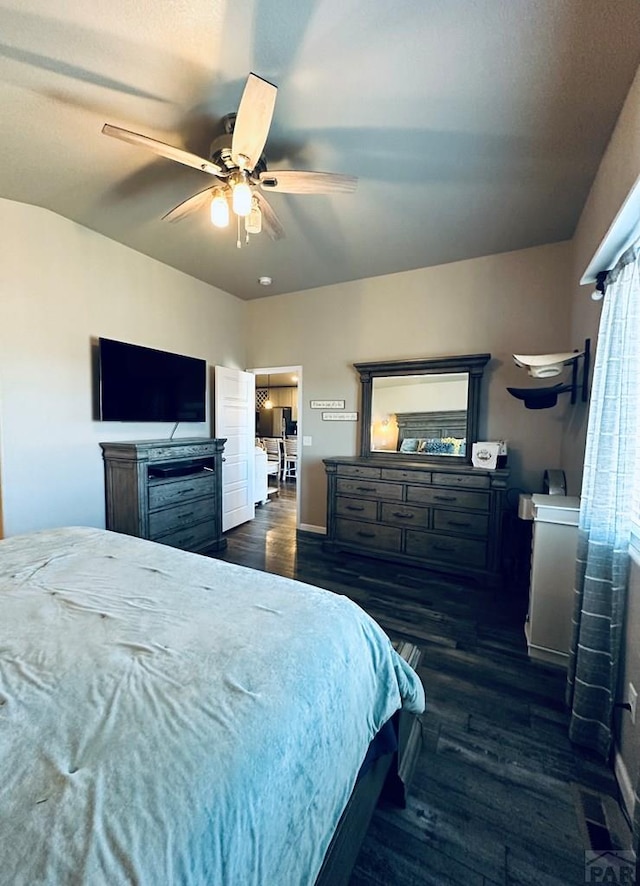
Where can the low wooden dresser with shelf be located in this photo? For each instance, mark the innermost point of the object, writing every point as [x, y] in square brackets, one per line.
[169, 491]
[447, 518]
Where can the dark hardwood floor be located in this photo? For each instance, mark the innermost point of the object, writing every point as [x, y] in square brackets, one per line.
[500, 796]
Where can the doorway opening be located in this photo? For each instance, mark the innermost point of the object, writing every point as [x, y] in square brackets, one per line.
[278, 417]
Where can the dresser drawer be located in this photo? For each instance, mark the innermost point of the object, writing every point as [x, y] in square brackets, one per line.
[168, 519]
[457, 498]
[370, 535]
[462, 551]
[197, 537]
[355, 507]
[173, 492]
[369, 489]
[188, 450]
[403, 476]
[358, 471]
[405, 515]
[463, 524]
[470, 481]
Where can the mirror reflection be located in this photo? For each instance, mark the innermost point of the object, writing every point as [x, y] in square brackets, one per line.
[420, 414]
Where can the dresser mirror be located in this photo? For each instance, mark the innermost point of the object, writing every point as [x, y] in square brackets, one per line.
[422, 409]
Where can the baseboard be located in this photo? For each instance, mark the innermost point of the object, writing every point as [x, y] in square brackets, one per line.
[627, 791]
[314, 530]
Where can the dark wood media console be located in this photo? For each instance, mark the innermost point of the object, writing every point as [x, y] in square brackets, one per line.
[169, 491]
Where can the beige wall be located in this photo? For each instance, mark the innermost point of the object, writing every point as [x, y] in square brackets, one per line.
[619, 170]
[516, 302]
[60, 286]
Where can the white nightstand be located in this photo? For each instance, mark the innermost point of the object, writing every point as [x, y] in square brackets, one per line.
[553, 564]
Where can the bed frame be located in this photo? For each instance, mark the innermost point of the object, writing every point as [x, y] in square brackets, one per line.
[431, 425]
[388, 778]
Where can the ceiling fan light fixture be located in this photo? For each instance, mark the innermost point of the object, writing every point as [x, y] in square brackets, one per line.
[241, 198]
[253, 221]
[219, 210]
[241, 167]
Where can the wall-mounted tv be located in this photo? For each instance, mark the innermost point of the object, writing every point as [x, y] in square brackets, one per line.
[144, 384]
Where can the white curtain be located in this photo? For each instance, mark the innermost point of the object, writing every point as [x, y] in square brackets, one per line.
[609, 505]
[607, 508]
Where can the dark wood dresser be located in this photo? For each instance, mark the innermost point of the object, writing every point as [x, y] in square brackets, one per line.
[169, 491]
[427, 514]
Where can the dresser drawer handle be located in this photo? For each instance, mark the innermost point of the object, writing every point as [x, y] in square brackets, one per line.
[403, 516]
[364, 534]
[185, 491]
[446, 497]
[458, 523]
[355, 508]
[185, 516]
[366, 488]
[446, 548]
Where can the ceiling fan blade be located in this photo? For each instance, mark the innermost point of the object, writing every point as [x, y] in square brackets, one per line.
[162, 150]
[252, 123]
[188, 206]
[291, 181]
[270, 220]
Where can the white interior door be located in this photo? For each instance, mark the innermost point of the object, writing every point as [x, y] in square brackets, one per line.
[234, 417]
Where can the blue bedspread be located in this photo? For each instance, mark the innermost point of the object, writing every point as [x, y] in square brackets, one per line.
[171, 719]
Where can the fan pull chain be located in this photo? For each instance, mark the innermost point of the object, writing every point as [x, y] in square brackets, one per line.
[238, 241]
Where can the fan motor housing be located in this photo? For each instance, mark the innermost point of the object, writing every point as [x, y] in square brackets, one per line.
[220, 151]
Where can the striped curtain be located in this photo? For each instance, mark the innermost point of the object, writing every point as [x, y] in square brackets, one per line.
[607, 508]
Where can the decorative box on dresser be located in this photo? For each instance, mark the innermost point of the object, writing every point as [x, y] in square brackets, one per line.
[443, 517]
[169, 491]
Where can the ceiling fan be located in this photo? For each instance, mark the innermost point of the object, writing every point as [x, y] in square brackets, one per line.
[239, 167]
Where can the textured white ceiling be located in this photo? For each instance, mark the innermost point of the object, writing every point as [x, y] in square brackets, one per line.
[475, 126]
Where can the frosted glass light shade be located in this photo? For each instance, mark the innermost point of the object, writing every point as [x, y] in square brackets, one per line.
[253, 222]
[241, 198]
[219, 211]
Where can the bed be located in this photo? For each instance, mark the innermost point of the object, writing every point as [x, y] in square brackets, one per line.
[166, 718]
[432, 433]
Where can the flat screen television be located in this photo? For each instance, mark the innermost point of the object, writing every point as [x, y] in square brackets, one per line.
[144, 384]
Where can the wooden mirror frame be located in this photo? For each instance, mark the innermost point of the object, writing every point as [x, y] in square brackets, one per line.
[473, 364]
